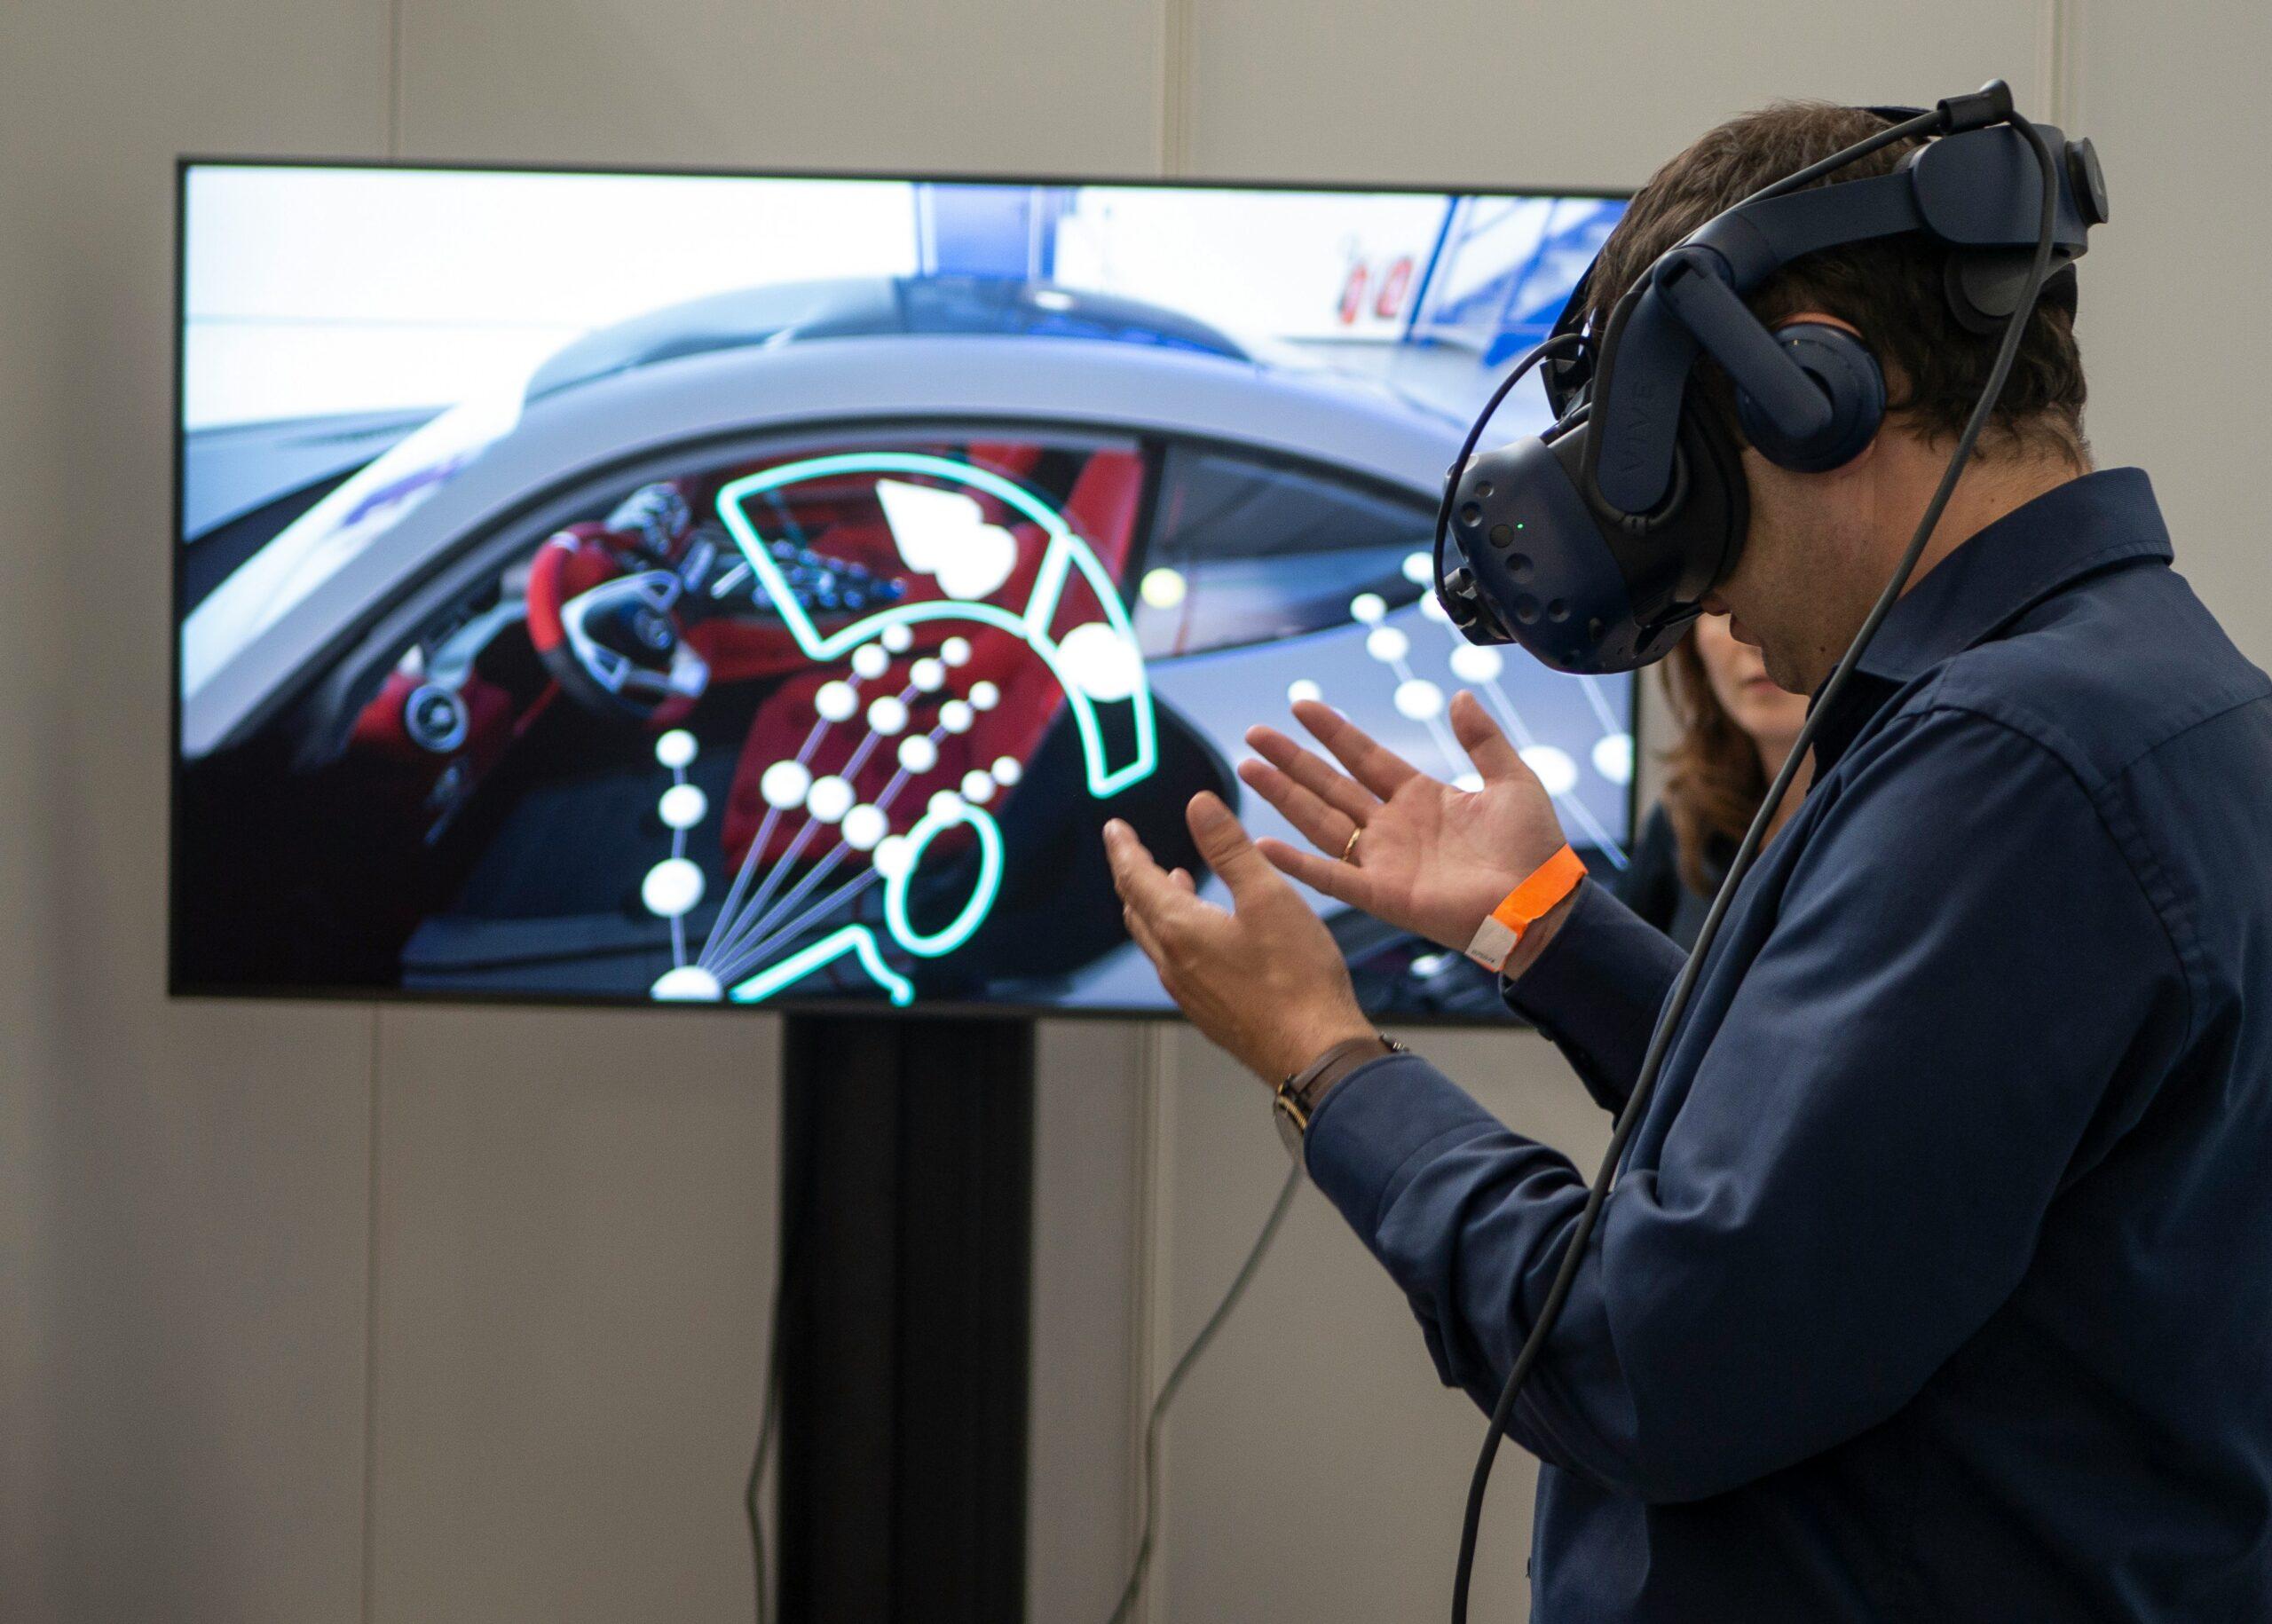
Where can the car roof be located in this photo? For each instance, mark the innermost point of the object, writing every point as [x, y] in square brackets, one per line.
[874, 307]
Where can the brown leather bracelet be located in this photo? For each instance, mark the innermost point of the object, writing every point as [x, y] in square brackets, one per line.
[1300, 1092]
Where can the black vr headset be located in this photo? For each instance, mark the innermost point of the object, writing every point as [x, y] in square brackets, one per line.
[1593, 544]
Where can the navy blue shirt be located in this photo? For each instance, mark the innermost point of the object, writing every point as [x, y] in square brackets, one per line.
[1938, 1282]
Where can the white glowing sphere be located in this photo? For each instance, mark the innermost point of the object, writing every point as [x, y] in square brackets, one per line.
[835, 702]
[1162, 588]
[888, 715]
[687, 984]
[1301, 688]
[918, 754]
[864, 826]
[928, 675]
[956, 716]
[783, 784]
[976, 787]
[671, 887]
[1367, 608]
[676, 748]
[1469, 781]
[1420, 569]
[946, 806]
[1007, 771]
[898, 639]
[1387, 644]
[1101, 663]
[1471, 662]
[683, 804]
[984, 696]
[1431, 608]
[1555, 768]
[955, 650]
[891, 857]
[829, 798]
[1419, 699]
[870, 661]
[1614, 757]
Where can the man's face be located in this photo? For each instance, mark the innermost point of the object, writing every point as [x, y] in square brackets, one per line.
[1797, 592]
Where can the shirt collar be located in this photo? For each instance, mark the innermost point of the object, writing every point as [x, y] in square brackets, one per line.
[2034, 551]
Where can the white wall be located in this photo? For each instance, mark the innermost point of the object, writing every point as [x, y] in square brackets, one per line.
[312, 1313]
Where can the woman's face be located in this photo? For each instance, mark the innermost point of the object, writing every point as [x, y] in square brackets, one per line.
[1738, 678]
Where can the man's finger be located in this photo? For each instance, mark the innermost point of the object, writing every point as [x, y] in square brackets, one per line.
[1342, 793]
[1372, 763]
[1487, 747]
[1342, 882]
[1224, 846]
[1142, 884]
[1182, 878]
[1323, 827]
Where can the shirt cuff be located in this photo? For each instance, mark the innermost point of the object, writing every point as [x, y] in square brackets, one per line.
[1595, 989]
[1366, 1138]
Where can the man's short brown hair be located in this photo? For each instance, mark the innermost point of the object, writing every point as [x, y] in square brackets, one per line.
[1890, 290]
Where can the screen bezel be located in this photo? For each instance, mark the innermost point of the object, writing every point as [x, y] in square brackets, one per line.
[181, 986]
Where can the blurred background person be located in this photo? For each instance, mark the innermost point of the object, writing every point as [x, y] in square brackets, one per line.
[1736, 729]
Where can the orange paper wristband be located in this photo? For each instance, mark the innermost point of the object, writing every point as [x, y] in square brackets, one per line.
[1524, 906]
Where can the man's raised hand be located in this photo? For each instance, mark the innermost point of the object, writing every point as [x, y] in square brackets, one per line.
[1428, 857]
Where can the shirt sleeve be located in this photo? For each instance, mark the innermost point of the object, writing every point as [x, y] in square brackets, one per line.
[1831, 1196]
[1595, 989]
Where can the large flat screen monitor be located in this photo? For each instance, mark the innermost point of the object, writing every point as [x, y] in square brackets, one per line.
[761, 589]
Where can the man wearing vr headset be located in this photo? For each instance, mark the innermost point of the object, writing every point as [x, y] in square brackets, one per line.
[1935, 1282]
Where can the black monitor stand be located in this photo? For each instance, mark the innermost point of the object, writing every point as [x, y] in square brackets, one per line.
[906, 1244]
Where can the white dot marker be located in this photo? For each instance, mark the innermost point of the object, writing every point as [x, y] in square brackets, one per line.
[671, 887]
[891, 855]
[829, 798]
[955, 650]
[956, 716]
[928, 675]
[687, 984]
[984, 696]
[864, 826]
[1301, 688]
[1101, 662]
[870, 661]
[1387, 644]
[1614, 757]
[918, 754]
[898, 639]
[783, 784]
[888, 715]
[947, 806]
[835, 702]
[676, 748]
[1007, 771]
[1162, 588]
[1420, 569]
[977, 787]
[1555, 768]
[1431, 608]
[1472, 662]
[682, 806]
[1367, 608]
[1419, 699]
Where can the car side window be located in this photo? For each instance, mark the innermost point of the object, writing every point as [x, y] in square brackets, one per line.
[1244, 550]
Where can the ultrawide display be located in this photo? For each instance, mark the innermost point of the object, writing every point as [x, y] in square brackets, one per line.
[747, 589]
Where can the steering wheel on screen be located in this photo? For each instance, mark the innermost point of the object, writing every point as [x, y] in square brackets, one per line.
[605, 616]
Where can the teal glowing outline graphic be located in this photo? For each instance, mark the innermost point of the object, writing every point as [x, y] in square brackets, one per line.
[1065, 553]
[855, 938]
[934, 822]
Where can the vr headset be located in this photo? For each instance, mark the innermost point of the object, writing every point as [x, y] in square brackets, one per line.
[1593, 544]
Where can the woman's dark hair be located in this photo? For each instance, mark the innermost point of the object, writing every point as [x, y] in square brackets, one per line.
[1713, 779]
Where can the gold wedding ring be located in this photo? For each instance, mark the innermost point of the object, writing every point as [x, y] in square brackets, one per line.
[1349, 852]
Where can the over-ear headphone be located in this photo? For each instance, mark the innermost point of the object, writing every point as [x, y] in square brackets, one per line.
[1594, 543]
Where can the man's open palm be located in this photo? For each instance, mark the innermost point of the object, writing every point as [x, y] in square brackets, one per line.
[1430, 858]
